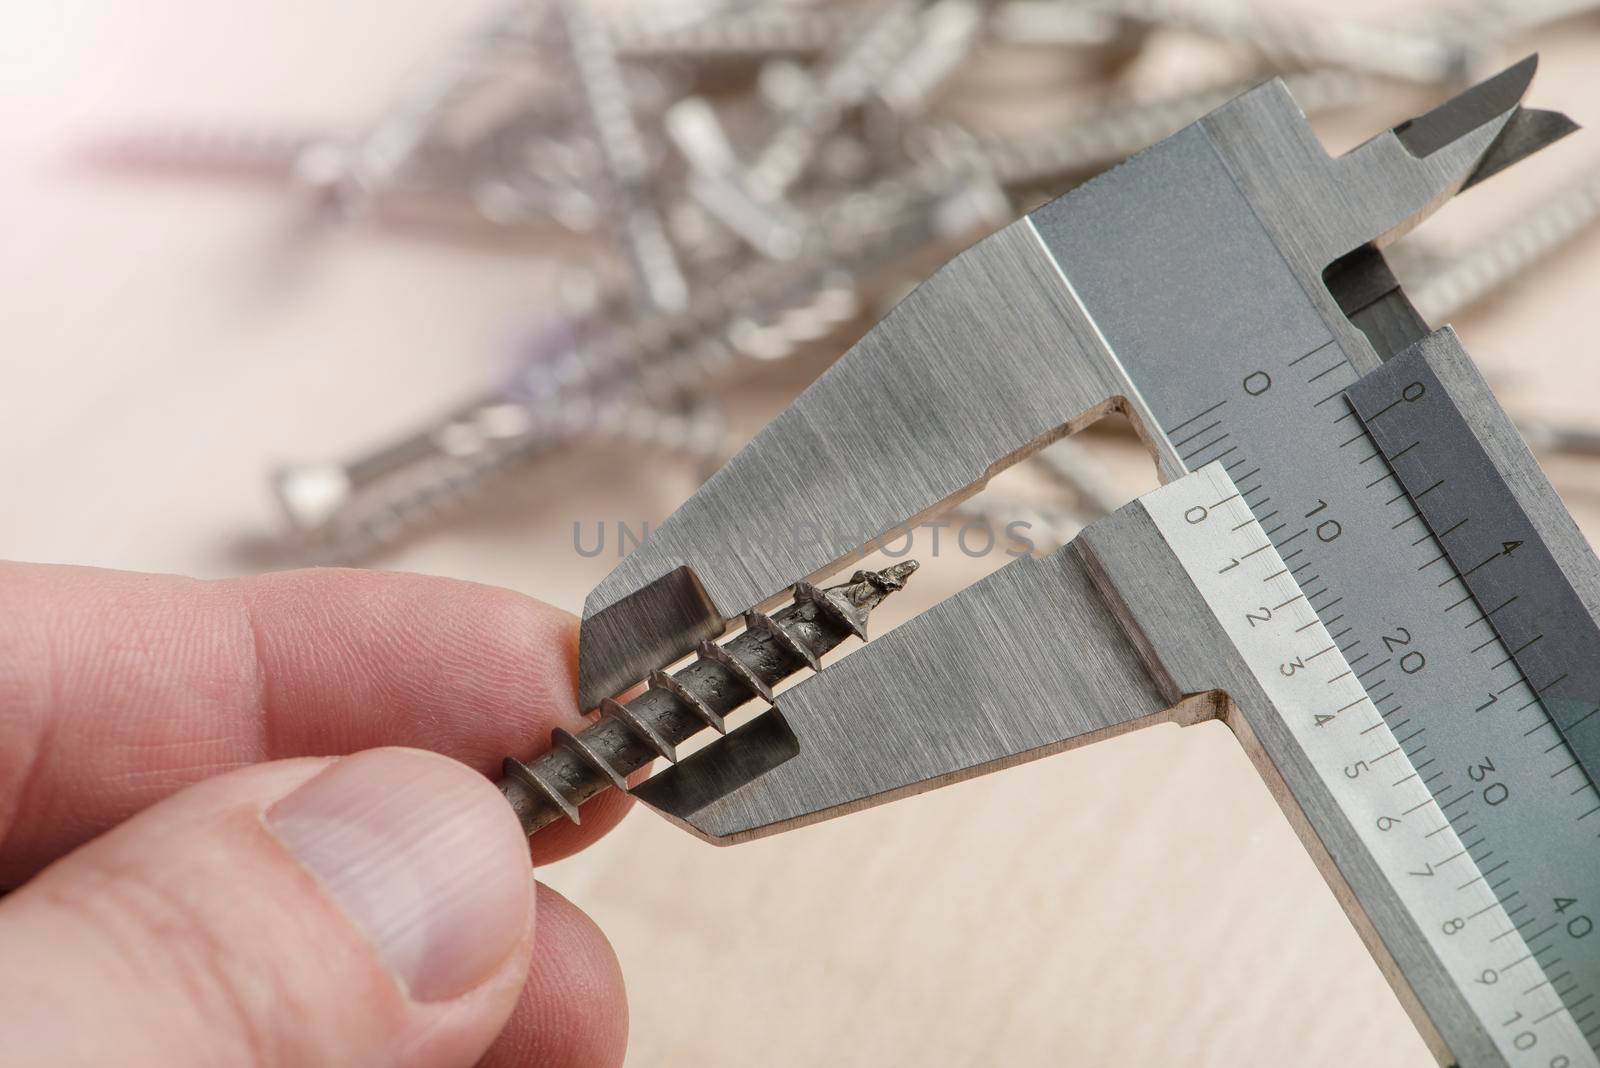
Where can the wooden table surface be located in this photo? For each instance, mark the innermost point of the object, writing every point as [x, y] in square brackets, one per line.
[1141, 902]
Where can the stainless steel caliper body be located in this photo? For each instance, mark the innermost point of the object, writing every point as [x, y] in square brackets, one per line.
[1295, 577]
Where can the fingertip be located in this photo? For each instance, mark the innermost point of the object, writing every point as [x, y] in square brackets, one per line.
[423, 855]
[376, 908]
[356, 659]
[574, 1007]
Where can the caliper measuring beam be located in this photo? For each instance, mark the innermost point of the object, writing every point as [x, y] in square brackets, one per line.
[1354, 561]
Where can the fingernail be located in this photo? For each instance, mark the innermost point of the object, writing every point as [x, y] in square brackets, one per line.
[424, 857]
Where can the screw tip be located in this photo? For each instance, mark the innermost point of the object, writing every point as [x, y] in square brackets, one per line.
[897, 574]
[888, 580]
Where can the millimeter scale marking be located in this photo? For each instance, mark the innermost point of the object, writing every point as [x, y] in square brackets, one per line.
[1364, 767]
[1299, 464]
[1520, 589]
[1303, 459]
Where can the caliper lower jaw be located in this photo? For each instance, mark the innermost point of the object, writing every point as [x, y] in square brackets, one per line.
[948, 696]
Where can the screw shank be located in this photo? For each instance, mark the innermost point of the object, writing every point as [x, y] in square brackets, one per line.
[815, 625]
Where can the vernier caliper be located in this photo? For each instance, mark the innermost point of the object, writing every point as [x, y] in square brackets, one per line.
[1355, 562]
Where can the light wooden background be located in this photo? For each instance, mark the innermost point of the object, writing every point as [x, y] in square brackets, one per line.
[1139, 903]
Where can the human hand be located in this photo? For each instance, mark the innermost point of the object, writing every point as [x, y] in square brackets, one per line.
[199, 880]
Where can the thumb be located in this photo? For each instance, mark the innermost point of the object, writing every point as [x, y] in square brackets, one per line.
[375, 909]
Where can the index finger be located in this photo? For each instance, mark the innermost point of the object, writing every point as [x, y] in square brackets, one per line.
[118, 688]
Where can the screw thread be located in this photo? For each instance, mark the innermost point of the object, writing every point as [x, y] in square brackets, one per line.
[758, 33]
[675, 707]
[1502, 257]
[1417, 52]
[1114, 134]
[866, 57]
[268, 154]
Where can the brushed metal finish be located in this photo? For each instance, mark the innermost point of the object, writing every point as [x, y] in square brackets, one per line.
[1201, 579]
[1006, 349]
[1185, 287]
[987, 361]
[1138, 636]
[1527, 594]
[1027, 662]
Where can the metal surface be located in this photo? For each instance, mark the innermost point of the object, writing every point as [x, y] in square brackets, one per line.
[1534, 580]
[1222, 233]
[1302, 712]
[804, 484]
[1186, 288]
[1027, 662]
[1175, 609]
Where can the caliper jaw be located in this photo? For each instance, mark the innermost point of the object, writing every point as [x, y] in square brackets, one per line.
[1032, 660]
[985, 362]
[994, 357]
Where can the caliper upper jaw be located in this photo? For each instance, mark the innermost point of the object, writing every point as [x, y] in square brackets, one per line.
[988, 360]
[992, 358]
[1468, 138]
[1524, 132]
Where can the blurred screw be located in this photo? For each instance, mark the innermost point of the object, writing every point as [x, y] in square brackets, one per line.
[948, 32]
[627, 163]
[263, 154]
[1072, 465]
[737, 34]
[347, 171]
[1498, 260]
[1312, 37]
[593, 373]
[1115, 133]
[750, 200]
[1546, 436]
[1021, 526]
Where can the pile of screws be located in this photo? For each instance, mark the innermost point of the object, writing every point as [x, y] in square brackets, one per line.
[758, 179]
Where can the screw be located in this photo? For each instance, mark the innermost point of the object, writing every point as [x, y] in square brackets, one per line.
[1499, 259]
[949, 31]
[1414, 54]
[1547, 436]
[735, 34]
[1054, 24]
[751, 201]
[585, 371]
[346, 172]
[1075, 468]
[626, 161]
[211, 150]
[675, 707]
[1002, 514]
[344, 512]
[1114, 134]
[1497, 20]
[865, 57]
